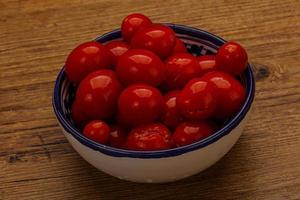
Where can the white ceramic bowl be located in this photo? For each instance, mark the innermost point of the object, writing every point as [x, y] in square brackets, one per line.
[165, 165]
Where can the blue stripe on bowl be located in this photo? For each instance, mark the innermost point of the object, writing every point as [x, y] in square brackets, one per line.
[198, 42]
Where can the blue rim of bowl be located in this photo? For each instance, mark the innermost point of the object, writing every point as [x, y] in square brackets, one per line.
[115, 152]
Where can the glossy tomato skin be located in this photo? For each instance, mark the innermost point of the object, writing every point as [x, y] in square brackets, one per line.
[140, 66]
[86, 58]
[157, 38]
[197, 100]
[78, 116]
[149, 137]
[132, 23]
[207, 63]
[139, 104]
[232, 58]
[180, 68]
[190, 132]
[171, 115]
[98, 94]
[116, 49]
[117, 137]
[97, 131]
[230, 92]
[179, 47]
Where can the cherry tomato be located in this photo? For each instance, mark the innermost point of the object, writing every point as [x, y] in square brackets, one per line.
[197, 100]
[139, 104]
[180, 68]
[116, 49]
[179, 47]
[157, 38]
[97, 131]
[98, 94]
[231, 93]
[232, 58]
[78, 116]
[171, 115]
[149, 137]
[86, 58]
[117, 137]
[132, 23]
[140, 66]
[190, 132]
[207, 63]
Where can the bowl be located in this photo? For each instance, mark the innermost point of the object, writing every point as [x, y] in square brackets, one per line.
[164, 165]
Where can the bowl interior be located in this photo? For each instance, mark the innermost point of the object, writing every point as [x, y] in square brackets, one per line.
[197, 42]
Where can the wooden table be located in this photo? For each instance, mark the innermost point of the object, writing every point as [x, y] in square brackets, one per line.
[37, 162]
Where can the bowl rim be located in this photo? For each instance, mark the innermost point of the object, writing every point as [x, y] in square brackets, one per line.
[115, 152]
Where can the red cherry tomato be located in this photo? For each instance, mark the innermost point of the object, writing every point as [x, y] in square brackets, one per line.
[132, 23]
[171, 115]
[190, 132]
[157, 38]
[98, 94]
[179, 47]
[97, 131]
[140, 66]
[117, 137]
[149, 137]
[232, 58]
[231, 93]
[78, 115]
[140, 104]
[86, 58]
[207, 63]
[197, 100]
[116, 49]
[180, 68]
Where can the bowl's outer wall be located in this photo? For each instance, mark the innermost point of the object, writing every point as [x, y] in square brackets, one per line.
[159, 170]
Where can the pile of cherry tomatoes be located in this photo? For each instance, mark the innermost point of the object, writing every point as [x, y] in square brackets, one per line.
[146, 92]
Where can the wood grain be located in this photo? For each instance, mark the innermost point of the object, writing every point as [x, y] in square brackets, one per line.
[37, 162]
